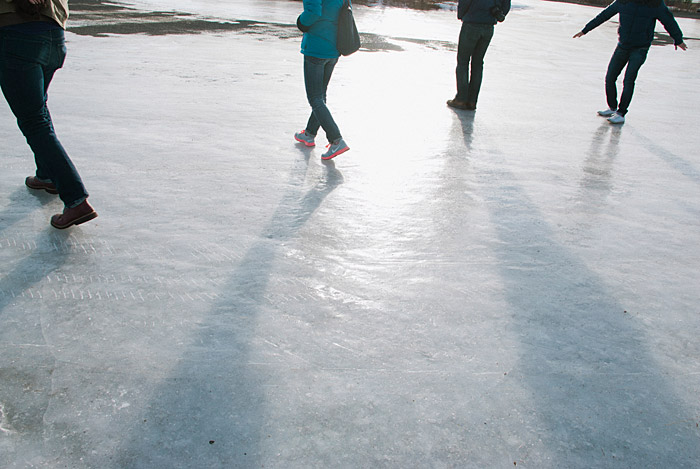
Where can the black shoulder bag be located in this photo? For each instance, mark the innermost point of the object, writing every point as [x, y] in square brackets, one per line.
[348, 37]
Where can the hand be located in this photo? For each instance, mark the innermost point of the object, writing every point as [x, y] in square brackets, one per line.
[682, 46]
[579, 34]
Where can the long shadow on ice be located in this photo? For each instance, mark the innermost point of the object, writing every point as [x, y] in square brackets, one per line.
[680, 164]
[210, 411]
[597, 394]
[26, 360]
[19, 208]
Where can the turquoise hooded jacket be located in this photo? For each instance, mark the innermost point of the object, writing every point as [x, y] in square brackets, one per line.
[319, 21]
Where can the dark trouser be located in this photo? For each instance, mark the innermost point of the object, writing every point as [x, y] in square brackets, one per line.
[633, 59]
[474, 39]
[27, 65]
[317, 75]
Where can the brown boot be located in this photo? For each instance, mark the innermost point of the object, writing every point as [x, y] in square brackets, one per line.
[464, 105]
[73, 216]
[33, 183]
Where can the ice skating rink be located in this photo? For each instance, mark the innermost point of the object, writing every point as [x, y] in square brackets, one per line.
[512, 287]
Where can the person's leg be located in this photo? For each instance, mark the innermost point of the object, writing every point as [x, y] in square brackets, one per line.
[317, 74]
[27, 64]
[636, 60]
[465, 49]
[477, 66]
[617, 63]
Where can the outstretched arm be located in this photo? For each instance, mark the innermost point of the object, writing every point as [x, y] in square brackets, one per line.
[604, 16]
[671, 26]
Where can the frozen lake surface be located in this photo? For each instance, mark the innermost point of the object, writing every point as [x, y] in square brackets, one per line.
[512, 287]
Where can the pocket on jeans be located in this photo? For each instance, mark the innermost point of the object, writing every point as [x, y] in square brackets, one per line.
[61, 52]
[23, 49]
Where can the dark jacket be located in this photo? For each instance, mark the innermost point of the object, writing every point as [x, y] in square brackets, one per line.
[479, 11]
[637, 21]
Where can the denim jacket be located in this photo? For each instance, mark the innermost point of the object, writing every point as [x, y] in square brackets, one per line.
[637, 23]
[56, 10]
[319, 21]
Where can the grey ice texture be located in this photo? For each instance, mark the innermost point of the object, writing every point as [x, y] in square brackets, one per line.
[517, 286]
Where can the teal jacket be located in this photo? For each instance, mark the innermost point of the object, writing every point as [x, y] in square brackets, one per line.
[319, 21]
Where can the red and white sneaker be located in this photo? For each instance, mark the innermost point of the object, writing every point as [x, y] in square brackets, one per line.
[335, 149]
[306, 138]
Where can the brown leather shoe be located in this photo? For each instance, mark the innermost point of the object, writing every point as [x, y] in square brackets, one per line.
[73, 216]
[461, 105]
[33, 183]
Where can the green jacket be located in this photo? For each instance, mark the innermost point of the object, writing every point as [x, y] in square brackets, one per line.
[57, 10]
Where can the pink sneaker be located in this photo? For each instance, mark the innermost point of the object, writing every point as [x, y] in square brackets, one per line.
[306, 138]
[335, 149]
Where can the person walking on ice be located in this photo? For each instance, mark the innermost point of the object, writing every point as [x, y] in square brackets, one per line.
[32, 49]
[319, 23]
[636, 31]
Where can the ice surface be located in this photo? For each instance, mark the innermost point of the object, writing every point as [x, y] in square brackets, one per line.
[517, 285]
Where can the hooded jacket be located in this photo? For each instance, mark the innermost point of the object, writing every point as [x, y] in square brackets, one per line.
[637, 22]
[56, 10]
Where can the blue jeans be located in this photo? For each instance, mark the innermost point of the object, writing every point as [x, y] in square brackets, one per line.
[317, 75]
[633, 59]
[474, 39]
[27, 65]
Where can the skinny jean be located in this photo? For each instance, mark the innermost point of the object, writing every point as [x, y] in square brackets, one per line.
[28, 62]
[317, 75]
[633, 59]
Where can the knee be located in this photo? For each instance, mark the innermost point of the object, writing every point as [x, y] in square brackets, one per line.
[36, 124]
[629, 81]
[316, 101]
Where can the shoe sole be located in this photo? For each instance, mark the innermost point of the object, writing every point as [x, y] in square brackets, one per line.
[77, 221]
[616, 123]
[339, 152]
[456, 106]
[308, 144]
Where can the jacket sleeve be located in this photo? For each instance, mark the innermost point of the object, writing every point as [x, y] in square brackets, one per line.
[505, 6]
[463, 8]
[671, 26]
[604, 16]
[313, 9]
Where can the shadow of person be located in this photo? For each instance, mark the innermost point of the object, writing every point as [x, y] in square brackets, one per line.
[597, 181]
[601, 155]
[22, 201]
[210, 411]
[679, 163]
[585, 382]
[466, 120]
[28, 362]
